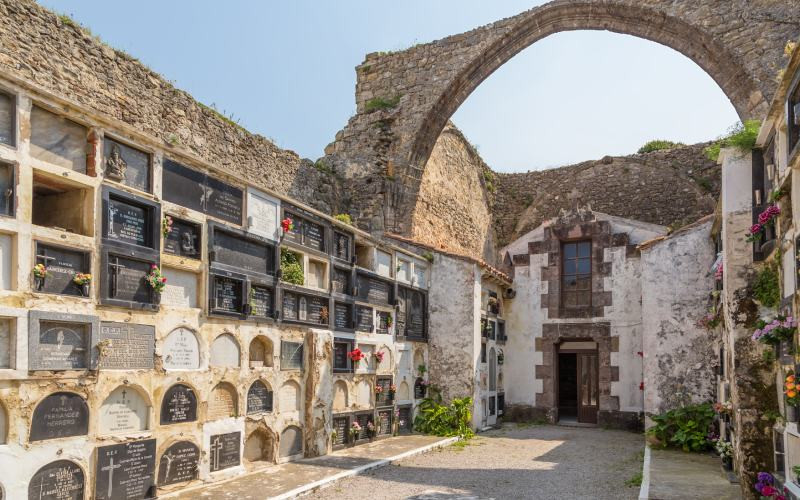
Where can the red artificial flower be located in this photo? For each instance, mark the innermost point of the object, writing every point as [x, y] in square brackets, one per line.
[768, 491]
[287, 225]
[641, 386]
[755, 229]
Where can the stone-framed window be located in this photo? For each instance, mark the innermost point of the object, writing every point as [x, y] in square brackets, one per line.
[291, 355]
[576, 274]
[779, 452]
[341, 363]
[8, 119]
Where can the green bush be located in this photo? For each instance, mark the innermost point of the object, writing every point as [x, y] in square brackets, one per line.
[291, 269]
[742, 136]
[766, 287]
[686, 428]
[381, 103]
[658, 145]
[344, 218]
[440, 420]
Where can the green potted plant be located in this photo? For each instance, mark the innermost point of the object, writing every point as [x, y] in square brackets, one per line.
[796, 472]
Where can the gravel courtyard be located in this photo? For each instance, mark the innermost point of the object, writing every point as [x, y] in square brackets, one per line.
[517, 461]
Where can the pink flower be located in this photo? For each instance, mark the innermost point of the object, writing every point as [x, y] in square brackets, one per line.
[768, 491]
[755, 229]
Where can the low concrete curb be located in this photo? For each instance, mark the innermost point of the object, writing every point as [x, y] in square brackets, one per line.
[307, 488]
[644, 489]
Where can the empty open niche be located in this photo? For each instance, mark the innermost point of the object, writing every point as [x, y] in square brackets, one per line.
[61, 205]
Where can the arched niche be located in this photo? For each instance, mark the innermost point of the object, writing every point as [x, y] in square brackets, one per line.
[260, 352]
[124, 410]
[64, 477]
[223, 402]
[179, 463]
[386, 365]
[180, 350]
[259, 398]
[225, 352]
[258, 447]
[289, 397]
[291, 443]
[178, 405]
[364, 393]
[61, 414]
[340, 396]
[419, 359]
[403, 392]
[492, 370]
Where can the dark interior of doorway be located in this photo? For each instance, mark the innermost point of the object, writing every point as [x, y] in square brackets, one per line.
[567, 386]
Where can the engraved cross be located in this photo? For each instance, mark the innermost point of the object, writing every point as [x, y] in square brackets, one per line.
[110, 468]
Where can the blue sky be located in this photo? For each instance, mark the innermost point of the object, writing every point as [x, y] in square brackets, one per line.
[286, 70]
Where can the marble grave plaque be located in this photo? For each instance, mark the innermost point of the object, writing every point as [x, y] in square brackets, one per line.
[179, 405]
[181, 289]
[259, 398]
[224, 451]
[243, 253]
[61, 414]
[364, 319]
[124, 410]
[342, 316]
[130, 346]
[181, 350]
[62, 265]
[341, 247]
[126, 471]
[183, 186]
[261, 298]
[127, 279]
[59, 141]
[179, 463]
[373, 290]
[128, 222]
[126, 165]
[184, 239]
[225, 351]
[59, 480]
[8, 111]
[224, 201]
[262, 214]
[228, 294]
[61, 345]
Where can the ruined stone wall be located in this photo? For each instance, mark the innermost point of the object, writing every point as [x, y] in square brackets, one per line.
[453, 211]
[669, 187]
[680, 357]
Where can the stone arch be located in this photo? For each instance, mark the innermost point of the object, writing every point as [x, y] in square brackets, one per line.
[364, 393]
[224, 402]
[260, 352]
[259, 398]
[289, 397]
[291, 442]
[492, 369]
[54, 476]
[72, 406]
[341, 399]
[225, 352]
[403, 392]
[126, 409]
[259, 445]
[386, 365]
[419, 359]
[180, 350]
[3, 424]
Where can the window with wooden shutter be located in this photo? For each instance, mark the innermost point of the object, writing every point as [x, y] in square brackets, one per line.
[576, 274]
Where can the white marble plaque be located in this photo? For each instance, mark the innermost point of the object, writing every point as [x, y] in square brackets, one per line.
[262, 214]
[364, 393]
[181, 289]
[225, 351]
[124, 410]
[386, 364]
[180, 350]
[403, 392]
[289, 398]
[339, 396]
[6, 345]
[5, 261]
[222, 403]
[384, 264]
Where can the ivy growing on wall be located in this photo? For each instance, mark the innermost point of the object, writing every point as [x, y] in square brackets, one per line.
[766, 287]
[291, 268]
[742, 137]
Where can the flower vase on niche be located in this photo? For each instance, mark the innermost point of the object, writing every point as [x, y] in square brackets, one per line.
[39, 275]
[791, 397]
[83, 282]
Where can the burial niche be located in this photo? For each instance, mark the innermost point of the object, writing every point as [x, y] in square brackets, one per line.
[179, 405]
[291, 442]
[225, 351]
[181, 289]
[6, 343]
[260, 352]
[181, 350]
[340, 395]
[224, 451]
[223, 402]
[126, 165]
[258, 446]
[289, 397]
[126, 471]
[61, 205]
[259, 398]
[59, 141]
[386, 364]
[61, 414]
[59, 480]
[124, 410]
[364, 393]
[3, 424]
[403, 393]
[8, 123]
[492, 370]
[179, 463]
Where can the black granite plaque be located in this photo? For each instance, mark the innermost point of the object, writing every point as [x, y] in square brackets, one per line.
[383, 322]
[294, 235]
[7, 189]
[314, 236]
[340, 425]
[342, 316]
[242, 253]
[341, 246]
[128, 222]
[415, 316]
[126, 471]
[363, 319]
[126, 165]
[385, 422]
[59, 480]
[183, 186]
[62, 265]
[289, 309]
[340, 281]
[261, 300]
[8, 114]
[179, 405]
[373, 290]
[228, 294]
[224, 201]
[128, 279]
[318, 310]
[183, 239]
[130, 347]
[224, 451]
[61, 414]
[179, 463]
[61, 345]
[259, 398]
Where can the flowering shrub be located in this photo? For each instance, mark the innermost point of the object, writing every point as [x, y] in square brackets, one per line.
[356, 355]
[379, 356]
[780, 328]
[156, 280]
[82, 279]
[723, 448]
[287, 225]
[764, 218]
[790, 388]
[166, 225]
[40, 271]
[764, 486]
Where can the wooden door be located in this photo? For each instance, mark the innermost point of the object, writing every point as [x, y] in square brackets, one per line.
[588, 393]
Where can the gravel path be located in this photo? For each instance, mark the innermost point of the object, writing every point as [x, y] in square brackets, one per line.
[517, 461]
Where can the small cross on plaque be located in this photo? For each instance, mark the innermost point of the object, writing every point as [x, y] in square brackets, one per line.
[116, 268]
[110, 468]
[216, 449]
